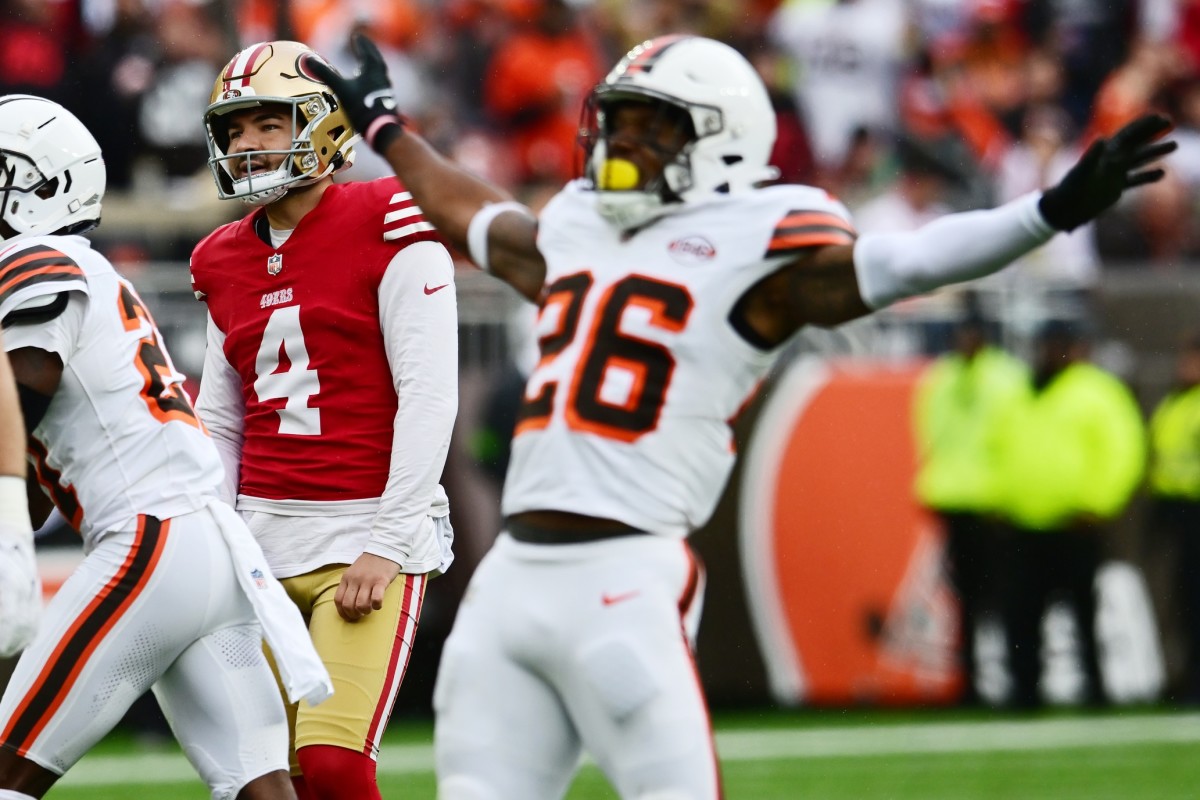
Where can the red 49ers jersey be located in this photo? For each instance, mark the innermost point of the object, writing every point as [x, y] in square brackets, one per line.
[301, 325]
[628, 413]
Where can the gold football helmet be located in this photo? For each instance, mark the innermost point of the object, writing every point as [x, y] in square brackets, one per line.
[322, 136]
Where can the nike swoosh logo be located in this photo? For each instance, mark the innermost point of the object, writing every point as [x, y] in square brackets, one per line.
[613, 599]
[383, 96]
[435, 288]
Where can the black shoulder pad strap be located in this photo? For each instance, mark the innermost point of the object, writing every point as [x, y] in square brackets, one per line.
[37, 314]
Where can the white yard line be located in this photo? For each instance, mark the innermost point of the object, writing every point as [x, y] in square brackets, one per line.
[760, 744]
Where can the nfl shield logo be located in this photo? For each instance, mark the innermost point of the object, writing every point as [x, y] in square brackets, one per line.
[274, 264]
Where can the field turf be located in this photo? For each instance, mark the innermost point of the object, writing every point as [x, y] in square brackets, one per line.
[825, 755]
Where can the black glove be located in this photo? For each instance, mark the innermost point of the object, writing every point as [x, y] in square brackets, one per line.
[367, 97]
[1109, 167]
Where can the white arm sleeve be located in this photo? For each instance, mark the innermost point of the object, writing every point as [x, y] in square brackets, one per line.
[420, 330]
[481, 223]
[222, 409]
[954, 248]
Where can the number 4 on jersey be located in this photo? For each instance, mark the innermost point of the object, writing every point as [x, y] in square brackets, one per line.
[297, 383]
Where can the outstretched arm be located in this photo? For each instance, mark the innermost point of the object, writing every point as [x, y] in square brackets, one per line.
[835, 284]
[504, 242]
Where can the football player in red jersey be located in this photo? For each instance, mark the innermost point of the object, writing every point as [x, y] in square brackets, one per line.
[669, 278]
[20, 590]
[171, 594]
[330, 386]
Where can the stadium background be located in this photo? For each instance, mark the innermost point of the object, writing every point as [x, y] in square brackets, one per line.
[903, 108]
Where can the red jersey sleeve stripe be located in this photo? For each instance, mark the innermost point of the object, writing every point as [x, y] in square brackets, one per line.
[403, 222]
[62, 669]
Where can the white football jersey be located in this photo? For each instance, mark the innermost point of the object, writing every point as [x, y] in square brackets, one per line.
[628, 414]
[120, 437]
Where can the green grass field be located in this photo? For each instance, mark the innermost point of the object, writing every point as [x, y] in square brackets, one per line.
[825, 755]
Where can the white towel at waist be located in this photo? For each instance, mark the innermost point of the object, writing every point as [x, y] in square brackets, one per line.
[300, 668]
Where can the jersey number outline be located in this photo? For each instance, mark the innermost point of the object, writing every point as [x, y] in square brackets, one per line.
[297, 383]
[162, 390]
[650, 363]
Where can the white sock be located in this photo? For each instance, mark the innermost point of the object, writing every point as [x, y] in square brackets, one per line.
[9, 794]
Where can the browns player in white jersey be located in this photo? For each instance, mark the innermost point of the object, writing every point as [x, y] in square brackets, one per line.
[330, 386]
[172, 593]
[668, 281]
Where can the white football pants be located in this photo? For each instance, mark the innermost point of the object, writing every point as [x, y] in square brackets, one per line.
[161, 607]
[560, 648]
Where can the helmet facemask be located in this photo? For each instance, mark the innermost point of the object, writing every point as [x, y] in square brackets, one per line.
[732, 122]
[603, 141]
[271, 75]
[300, 165]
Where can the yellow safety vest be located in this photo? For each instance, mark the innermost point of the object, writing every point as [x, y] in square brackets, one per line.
[1175, 446]
[1076, 447]
[955, 410]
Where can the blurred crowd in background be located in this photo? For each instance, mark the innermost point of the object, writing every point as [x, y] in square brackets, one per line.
[904, 109]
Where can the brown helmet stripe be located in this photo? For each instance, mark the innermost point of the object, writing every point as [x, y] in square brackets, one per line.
[644, 58]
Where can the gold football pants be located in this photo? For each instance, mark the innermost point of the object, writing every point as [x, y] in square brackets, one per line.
[366, 660]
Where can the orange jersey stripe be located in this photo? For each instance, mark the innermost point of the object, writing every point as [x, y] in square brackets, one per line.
[69, 268]
[796, 219]
[13, 263]
[815, 238]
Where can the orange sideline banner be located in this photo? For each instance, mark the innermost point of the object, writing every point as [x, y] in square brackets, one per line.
[842, 568]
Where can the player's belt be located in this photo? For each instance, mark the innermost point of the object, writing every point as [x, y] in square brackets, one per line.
[572, 532]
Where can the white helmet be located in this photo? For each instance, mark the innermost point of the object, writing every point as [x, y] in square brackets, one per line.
[51, 172]
[732, 120]
[322, 136]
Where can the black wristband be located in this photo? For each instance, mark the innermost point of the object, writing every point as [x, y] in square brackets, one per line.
[386, 135]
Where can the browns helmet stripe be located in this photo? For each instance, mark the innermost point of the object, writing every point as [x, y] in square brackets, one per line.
[643, 59]
[35, 265]
[62, 669]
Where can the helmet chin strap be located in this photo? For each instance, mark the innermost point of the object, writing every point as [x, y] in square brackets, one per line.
[260, 197]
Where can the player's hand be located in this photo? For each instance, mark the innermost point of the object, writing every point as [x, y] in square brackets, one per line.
[367, 97]
[20, 590]
[1108, 168]
[363, 585]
